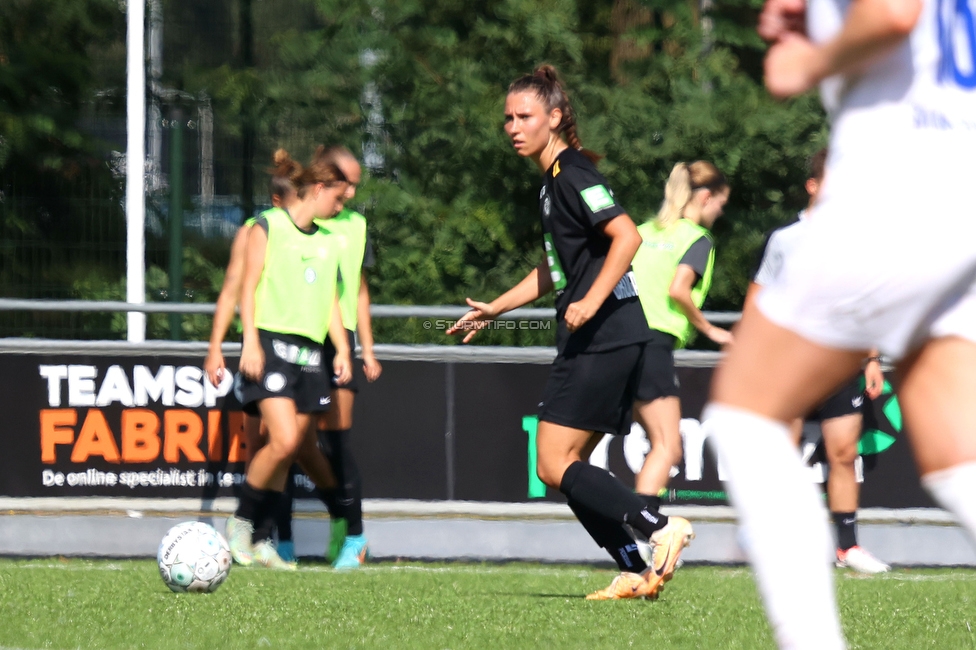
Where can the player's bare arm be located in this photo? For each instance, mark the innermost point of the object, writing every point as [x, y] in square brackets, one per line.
[230, 293]
[535, 285]
[795, 65]
[252, 356]
[624, 242]
[684, 281]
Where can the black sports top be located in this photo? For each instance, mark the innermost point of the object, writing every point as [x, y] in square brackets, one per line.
[574, 201]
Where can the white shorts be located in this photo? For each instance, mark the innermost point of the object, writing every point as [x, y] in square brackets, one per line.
[879, 269]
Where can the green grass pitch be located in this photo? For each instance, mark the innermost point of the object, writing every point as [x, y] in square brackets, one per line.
[74, 603]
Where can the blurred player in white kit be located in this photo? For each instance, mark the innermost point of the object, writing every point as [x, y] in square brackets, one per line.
[888, 263]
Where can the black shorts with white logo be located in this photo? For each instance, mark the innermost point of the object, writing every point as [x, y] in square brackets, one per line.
[846, 401]
[294, 367]
[593, 391]
[658, 377]
[329, 354]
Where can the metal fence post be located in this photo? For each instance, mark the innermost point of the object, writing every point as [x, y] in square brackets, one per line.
[176, 220]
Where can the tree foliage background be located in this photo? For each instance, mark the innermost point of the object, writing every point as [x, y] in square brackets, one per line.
[416, 88]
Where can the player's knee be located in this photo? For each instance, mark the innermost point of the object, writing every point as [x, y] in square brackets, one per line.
[550, 471]
[675, 453]
[285, 448]
[844, 454]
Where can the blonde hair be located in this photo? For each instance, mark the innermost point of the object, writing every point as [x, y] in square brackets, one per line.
[682, 183]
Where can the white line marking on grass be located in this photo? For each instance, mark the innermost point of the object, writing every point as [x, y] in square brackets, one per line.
[498, 570]
[967, 576]
[458, 569]
[66, 567]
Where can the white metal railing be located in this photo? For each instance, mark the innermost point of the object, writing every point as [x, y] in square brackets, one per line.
[448, 353]
[376, 311]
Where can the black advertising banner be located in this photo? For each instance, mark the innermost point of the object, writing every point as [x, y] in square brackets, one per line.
[117, 426]
[153, 426]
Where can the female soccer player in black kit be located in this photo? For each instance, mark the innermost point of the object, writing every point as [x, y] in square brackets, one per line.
[601, 332]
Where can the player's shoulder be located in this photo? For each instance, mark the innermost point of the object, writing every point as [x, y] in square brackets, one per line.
[572, 166]
[350, 215]
[786, 231]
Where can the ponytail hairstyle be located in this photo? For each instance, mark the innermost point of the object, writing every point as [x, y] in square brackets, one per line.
[547, 86]
[684, 180]
[322, 169]
[284, 174]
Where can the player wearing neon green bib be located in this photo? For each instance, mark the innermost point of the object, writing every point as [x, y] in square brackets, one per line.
[661, 252]
[288, 306]
[673, 268]
[348, 548]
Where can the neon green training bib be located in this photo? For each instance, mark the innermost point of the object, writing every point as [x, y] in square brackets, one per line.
[348, 228]
[298, 284]
[654, 267]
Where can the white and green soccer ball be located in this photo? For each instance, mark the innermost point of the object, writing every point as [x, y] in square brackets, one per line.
[193, 557]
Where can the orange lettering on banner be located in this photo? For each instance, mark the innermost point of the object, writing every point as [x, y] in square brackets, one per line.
[237, 451]
[215, 441]
[57, 428]
[95, 439]
[140, 436]
[184, 430]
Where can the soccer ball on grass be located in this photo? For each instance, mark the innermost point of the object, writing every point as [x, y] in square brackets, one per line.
[193, 557]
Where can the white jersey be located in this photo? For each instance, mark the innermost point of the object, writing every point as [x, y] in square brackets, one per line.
[780, 245]
[887, 259]
[917, 104]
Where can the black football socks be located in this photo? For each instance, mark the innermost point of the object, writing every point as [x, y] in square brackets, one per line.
[349, 491]
[846, 523]
[257, 506]
[598, 490]
[610, 535]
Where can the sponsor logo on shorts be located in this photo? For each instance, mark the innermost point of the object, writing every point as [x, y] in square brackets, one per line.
[274, 382]
[857, 401]
[299, 355]
[280, 349]
[324, 400]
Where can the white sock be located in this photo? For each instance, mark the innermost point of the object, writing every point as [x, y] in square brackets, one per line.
[955, 490]
[783, 526]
